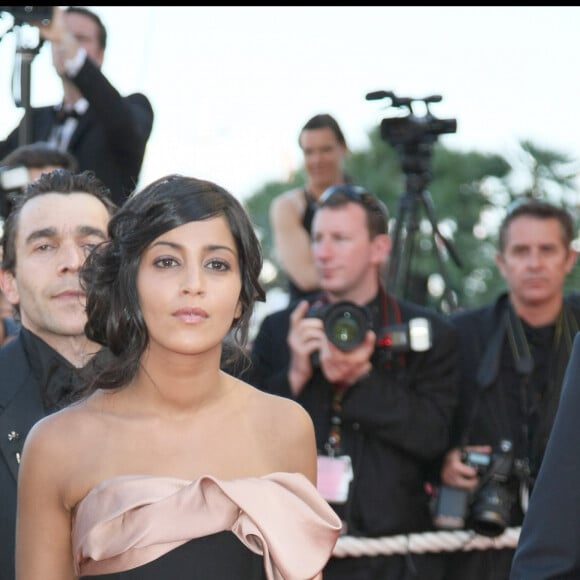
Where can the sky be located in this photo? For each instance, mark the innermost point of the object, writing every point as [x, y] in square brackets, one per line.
[231, 87]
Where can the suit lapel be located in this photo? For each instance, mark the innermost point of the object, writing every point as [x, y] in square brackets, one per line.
[20, 403]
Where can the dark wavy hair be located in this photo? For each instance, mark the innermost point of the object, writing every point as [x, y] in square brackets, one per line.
[109, 274]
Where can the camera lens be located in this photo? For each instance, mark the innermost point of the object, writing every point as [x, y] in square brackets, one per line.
[345, 325]
[491, 508]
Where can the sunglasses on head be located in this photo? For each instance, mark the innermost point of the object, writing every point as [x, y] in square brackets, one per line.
[354, 192]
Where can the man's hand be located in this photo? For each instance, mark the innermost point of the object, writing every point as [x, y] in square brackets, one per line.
[64, 43]
[456, 473]
[347, 367]
[305, 336]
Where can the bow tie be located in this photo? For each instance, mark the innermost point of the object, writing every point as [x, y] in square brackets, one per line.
[62, 115]
[59, 387]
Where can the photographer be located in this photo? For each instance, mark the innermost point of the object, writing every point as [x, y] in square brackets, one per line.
[513, 356]
[381, 407]
[107, 133]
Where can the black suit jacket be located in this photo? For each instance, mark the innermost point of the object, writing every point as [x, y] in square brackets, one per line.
[20, 407]
[111, 136]
[549, 544]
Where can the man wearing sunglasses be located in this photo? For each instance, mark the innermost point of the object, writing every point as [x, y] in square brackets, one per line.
[378, 376]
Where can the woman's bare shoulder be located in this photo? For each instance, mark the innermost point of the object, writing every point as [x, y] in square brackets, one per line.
[280, 411]
[58, 427]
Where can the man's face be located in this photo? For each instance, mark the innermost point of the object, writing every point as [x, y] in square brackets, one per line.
[55, 234]
[346, 258]
[86, 32]
[323, 157]
[535, 261]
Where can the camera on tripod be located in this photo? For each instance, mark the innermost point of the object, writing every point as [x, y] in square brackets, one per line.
[29, 14]
[413, 137]
[487, 509]
[346, 324]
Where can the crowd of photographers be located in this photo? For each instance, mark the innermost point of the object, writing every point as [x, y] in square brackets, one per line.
[424, 421]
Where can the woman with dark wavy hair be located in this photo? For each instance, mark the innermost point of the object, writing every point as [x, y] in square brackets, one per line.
[175, 468]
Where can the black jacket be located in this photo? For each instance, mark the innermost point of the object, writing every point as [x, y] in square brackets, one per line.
[505, 396]
[23, 390]
[111, 136]
[395, 422]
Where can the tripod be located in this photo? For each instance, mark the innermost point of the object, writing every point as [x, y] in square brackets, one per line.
[415, 167]
[413, 138]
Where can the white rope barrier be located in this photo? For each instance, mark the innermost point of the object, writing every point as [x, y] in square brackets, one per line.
[441, 541]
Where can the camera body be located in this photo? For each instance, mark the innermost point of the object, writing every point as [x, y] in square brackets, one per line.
[29, 14]
[410, 130]
[346, 324]
[487, 510]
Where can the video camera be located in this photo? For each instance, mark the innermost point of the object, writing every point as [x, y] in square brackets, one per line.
[29, 14]
[412, 130]
[346, 324]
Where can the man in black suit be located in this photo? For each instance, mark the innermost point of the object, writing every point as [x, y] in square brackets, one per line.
[107, 133]
[52, 226]
[380, 392]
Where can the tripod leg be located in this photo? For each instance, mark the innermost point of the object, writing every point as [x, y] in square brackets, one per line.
[403, 246]
[428, 205]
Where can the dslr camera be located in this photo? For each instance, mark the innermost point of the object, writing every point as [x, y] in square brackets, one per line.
[29, 14]
[346, 324]
[487, 509]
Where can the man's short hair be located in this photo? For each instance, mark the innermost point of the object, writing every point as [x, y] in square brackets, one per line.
[57, 181]
[39, 155]
[542, 210]
[376, 211]
[90, 14]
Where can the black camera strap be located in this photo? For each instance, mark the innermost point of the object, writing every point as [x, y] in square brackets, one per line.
[487, 373]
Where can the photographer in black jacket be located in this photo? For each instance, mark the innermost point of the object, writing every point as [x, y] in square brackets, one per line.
[381, 399]
[514, 353]
[106, 132]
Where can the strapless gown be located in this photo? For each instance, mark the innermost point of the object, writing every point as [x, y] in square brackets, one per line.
[141, 527]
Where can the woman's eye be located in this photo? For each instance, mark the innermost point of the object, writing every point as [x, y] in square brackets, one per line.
[165, 262]
[218, 265]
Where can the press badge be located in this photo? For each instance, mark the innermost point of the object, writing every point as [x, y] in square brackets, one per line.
[334, 477]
